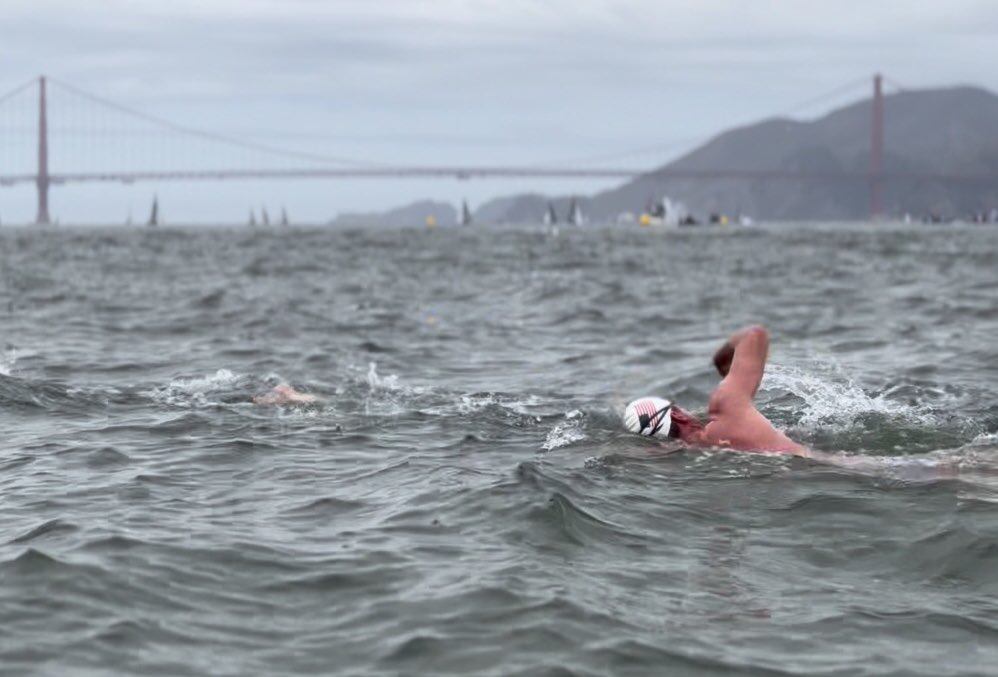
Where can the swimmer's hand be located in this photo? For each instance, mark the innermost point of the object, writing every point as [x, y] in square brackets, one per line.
[285, 394]
[755, 334]
[722, 359]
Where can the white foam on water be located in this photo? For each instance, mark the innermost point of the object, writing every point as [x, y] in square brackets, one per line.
[220, 379]
[10, 357]
[985, 439]
[566, 432]
[390, 383]
[193, 392]
[300, 413]
[7, 361]
[387, 394]
[523, 406]
[470, 404]
[832, 397]
[866, 463]
[90, 391]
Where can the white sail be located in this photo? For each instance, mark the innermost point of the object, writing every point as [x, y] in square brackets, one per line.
[575, 216]
[550, 216]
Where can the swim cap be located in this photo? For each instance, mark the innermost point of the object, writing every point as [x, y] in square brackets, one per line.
[649, 416]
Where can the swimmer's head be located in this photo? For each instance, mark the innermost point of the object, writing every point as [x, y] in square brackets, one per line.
[649, 416]
[657, 417]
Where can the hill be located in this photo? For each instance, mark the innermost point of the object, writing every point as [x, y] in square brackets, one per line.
[939, 131]
[414, 214]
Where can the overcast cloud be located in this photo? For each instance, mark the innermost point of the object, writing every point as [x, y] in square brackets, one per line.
[632, 82]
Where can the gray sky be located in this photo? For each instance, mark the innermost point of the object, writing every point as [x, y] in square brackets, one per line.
[581, 82]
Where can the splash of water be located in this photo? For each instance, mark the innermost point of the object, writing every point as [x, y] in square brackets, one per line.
[830, 396]
[566, 432]
[7, 362]
[194, 392]
[377, 382]
[386, 394]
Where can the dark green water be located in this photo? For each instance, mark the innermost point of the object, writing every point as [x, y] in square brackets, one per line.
[464, 500]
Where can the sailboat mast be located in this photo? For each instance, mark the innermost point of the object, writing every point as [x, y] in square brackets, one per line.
[154, 213]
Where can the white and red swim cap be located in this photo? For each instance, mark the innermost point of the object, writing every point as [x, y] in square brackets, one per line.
[650, 416]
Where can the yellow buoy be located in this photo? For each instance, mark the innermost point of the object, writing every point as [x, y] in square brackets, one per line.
[431, 221]
[645, 219]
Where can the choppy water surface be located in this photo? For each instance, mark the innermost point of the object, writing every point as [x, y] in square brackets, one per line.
[464, 500]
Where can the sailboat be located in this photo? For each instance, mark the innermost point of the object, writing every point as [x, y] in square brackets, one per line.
[550, 216]
[264, 217]
[465, 214]
[154, 214]
[284, 217]
[575, 213]
[666, 212]
[252, 219]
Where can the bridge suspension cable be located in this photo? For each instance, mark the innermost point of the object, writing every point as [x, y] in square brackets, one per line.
[692, 142]
[215, 136]
[17, 90]
[99, 135]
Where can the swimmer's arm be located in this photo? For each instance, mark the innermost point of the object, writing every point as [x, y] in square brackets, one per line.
[741, 362]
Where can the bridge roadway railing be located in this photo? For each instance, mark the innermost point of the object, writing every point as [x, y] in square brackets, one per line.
[489, 172]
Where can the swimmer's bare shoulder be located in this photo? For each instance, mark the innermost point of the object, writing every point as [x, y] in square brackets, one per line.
[733, 420]
[285, 394]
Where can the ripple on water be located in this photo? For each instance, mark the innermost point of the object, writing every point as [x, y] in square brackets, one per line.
[468, 503]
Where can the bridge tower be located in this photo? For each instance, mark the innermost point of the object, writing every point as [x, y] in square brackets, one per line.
[42, 180]
[877, 150]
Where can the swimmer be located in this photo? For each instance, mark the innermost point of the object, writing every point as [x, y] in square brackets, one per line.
[732, 419]
[285, 394]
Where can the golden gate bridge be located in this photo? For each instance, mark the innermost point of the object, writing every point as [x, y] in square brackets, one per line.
[41, 173]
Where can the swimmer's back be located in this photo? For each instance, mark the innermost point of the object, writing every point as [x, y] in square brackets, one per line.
[741, 426]
[733, 420]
